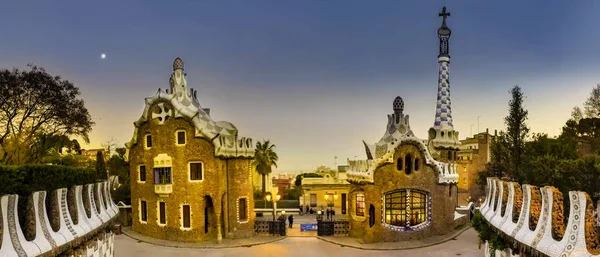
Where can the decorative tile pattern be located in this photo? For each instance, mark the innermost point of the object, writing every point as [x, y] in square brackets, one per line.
[526, 204]
[572, 239]
[64, 210]
[443, 112]
[12, 227]
[546, 213]
[41, 217]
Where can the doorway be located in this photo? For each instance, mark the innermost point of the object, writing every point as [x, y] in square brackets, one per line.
[344, 203]
[208, 214]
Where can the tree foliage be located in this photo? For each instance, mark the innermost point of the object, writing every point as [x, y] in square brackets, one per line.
[34, 103]
[101, 166]
[516, 133]
[265, 158]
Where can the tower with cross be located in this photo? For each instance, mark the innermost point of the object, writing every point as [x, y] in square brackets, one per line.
[443, 139]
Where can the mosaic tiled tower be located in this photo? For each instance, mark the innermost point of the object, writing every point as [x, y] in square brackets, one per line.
[443, 139]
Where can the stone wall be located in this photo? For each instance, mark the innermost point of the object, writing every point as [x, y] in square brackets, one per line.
[540, 227]
[387, 178]
[224, 182]
[57, 225]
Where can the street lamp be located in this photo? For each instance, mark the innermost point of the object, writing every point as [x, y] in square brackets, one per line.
[269, 198]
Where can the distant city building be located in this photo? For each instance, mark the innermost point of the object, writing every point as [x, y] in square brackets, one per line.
[92, 153]
[473, 156]
[406, 189]
[327, 192]
[191, 176]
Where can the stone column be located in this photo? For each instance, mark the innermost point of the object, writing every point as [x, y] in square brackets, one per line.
[219, 234]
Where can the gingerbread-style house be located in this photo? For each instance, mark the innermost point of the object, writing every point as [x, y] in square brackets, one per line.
[191, 176]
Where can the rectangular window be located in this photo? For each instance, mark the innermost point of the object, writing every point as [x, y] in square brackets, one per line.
[163, 213]
[360, 205]
[195, 171]
[144, 211]
[242, 209]
[181, 137]
[148, 141]
[142, 173]
[186, 216]
[162, 175]
[313, 200]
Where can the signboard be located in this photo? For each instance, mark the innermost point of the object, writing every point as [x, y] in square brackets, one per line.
[308, 227]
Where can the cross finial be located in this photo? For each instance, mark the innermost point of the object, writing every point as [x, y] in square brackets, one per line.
[444, 13]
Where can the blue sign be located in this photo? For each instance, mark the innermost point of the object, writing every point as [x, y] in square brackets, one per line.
[308, 227]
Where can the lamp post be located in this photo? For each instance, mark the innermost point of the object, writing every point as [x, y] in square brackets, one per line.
[269, 198]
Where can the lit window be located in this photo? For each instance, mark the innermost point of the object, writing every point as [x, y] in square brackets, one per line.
[148, 141]
[180, 137]
[196, 169]
[399, 203]
[360, 205]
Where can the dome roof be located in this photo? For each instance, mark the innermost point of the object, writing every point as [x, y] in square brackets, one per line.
[178, 64]
[398, 104]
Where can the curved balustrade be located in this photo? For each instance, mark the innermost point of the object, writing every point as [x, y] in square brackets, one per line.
[575, 242]
[69, 229]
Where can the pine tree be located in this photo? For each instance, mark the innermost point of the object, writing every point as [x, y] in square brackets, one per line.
[516, 134]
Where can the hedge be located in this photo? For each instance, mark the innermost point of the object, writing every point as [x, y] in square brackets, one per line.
[24, 180]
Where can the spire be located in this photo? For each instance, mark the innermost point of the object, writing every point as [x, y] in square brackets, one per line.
[442, 134]
[444, 34]
[179, 87]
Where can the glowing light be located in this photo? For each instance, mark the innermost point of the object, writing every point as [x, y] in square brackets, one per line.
[103, 56]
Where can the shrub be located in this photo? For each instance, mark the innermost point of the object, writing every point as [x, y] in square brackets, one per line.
[24, 180]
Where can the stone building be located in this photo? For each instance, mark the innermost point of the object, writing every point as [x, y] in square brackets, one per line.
[330, 191]
[406, 189]
[191, 176]
[473, 155]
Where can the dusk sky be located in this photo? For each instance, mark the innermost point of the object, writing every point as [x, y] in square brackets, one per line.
[317, 76]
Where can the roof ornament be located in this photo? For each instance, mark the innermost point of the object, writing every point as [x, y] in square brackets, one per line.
[177, 64]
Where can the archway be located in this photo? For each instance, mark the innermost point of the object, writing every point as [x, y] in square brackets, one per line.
[210, 221]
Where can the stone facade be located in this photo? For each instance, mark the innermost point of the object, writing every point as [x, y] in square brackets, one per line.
[197, 183]
[472, 157]
[406, 189]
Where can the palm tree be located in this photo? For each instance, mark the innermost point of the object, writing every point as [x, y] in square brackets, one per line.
[264, 158]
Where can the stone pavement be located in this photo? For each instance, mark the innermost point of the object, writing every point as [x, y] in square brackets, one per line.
[227, 243]
[402, 245]
[464, 245]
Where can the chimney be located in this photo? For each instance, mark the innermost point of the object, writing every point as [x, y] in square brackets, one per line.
[495, 132]
[487, 130]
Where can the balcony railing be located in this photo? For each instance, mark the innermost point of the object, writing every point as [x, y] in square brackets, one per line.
[163, 190]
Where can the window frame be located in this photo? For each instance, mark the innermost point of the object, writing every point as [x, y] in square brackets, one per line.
[146, 141]
[177, 137]
[169, 172]
[190, 171]
[422, 208]
[159, 214]
[143, 211]
[182, 213]
[246, 210]
[139, 173]
[357, 207]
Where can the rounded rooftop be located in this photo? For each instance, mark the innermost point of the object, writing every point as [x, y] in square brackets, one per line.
[177, 64]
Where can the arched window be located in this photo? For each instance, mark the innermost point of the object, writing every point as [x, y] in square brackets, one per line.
[408, 162]
[405, 208]
[416, 164]
[399, 164]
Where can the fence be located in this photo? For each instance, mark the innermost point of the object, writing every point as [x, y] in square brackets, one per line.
[331, 228]
[281, 204]
[269, 227]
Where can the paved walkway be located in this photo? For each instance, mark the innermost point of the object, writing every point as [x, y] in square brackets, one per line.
[227, 243]
[402, 245]
[464, 245]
